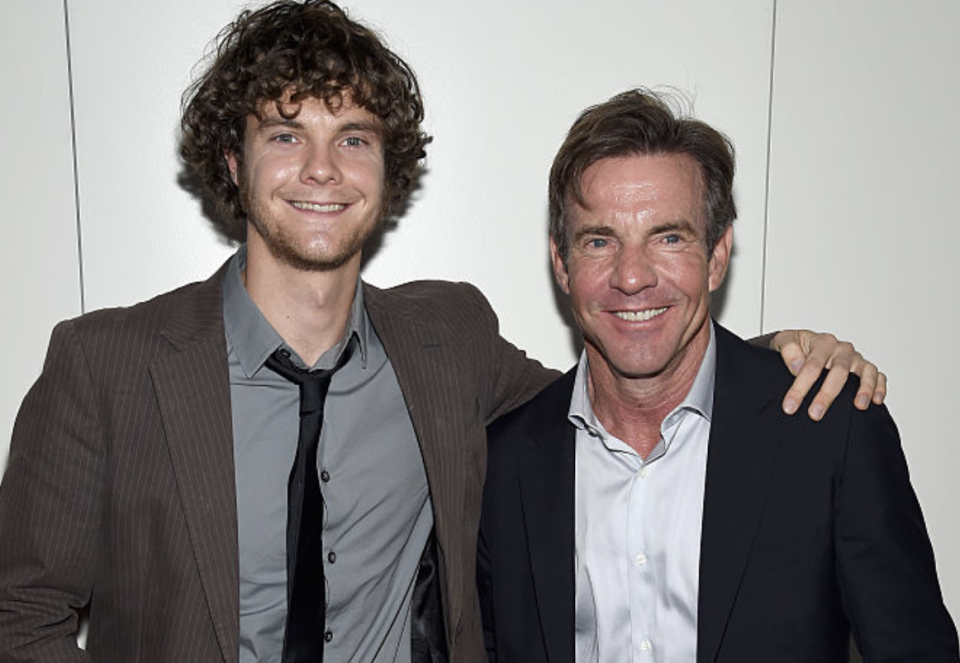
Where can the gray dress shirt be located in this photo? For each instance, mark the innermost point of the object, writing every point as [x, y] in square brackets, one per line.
[637, 530]
[377, 512]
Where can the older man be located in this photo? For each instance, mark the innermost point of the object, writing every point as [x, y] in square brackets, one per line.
[655, 504]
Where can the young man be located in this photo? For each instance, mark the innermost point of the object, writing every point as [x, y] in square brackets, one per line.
[157, 476]
[655, 504]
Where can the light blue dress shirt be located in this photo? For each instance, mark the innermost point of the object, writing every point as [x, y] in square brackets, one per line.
[638, 530]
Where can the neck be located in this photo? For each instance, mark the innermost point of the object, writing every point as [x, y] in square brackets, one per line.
[633, 408]
[309, 310]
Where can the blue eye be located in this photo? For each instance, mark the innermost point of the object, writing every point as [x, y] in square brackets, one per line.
[354, 141]
[672, 239]
[597, 243]
[285, 138]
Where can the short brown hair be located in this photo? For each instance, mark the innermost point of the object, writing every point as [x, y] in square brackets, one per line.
[315, 50]
[641, 122]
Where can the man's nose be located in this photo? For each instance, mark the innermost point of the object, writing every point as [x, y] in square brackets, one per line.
[320, 165]
[633, 271]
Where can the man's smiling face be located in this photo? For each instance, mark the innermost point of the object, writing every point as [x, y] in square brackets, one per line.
[638, 272]
[311, 185]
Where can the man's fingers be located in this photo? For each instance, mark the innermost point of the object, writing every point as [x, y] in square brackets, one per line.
[793, 356]
[873, 386]
[807, 354]
[832, 385]
[801, 385]
[868, 383]
[823, 351]
[880, 393]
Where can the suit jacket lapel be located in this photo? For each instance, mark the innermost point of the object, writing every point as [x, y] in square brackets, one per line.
[427, 369]
[192, 386]
[547, 487]
[738, 473]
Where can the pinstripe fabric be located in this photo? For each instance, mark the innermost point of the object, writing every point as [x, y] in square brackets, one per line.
[120, 486]
[457, 375]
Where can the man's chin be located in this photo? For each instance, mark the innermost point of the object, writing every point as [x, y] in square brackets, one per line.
[318, 258]
[317, 262]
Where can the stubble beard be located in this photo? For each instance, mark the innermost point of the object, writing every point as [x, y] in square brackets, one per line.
[284, 247]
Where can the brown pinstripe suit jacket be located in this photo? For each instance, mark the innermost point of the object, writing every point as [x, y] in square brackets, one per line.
[120, 489]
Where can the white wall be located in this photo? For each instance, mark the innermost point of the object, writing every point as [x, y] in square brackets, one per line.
[39, 253]
[503, 81]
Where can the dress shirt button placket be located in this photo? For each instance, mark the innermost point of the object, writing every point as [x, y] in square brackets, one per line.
[642, 584]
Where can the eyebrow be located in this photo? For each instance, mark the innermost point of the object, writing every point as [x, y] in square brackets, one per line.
[293, 123]
[608, 231]
[371, 127]
[680, 224]
[599, 231]
[270, 122]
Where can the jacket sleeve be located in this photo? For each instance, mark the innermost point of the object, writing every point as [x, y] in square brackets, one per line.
[50, 509]
[513, 378]
[885, 565]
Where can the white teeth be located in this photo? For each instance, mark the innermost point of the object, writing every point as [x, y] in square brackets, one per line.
[639, 316]
[313, 207]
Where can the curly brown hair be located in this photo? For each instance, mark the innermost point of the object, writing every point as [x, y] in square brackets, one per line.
[642, 122]
[315, 50]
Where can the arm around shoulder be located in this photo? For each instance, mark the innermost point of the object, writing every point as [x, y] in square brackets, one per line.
[514, 378]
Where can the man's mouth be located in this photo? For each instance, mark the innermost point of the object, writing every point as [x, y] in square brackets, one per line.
[640, 316]
[318, 207]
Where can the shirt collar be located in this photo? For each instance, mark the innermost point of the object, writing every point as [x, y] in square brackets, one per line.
[699, 399]
[252, 338]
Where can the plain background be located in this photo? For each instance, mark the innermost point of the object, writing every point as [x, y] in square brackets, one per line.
[844, 114]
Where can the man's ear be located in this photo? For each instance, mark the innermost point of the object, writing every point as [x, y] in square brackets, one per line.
[720, 258]
[232, 164]
[559, 269]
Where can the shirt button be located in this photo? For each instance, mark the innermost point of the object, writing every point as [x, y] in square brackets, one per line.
[332, 557]
[645, 645]
[328, 636]
[324, 476]
[643, 473]
[641, 559]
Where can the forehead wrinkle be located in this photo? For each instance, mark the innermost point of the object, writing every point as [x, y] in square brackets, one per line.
[627, 193]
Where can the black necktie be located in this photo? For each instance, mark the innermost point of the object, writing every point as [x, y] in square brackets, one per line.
[306, 593]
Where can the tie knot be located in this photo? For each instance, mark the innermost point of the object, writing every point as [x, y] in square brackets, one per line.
[313, 383]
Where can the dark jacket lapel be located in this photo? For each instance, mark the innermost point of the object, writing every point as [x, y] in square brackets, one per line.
[547, 488]
[193, 393]
[738, 472]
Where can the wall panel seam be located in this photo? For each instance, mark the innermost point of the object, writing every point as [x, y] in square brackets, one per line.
[766, 191]
[73, 148]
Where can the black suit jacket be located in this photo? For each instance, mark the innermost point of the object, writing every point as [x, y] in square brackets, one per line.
[809, 529]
